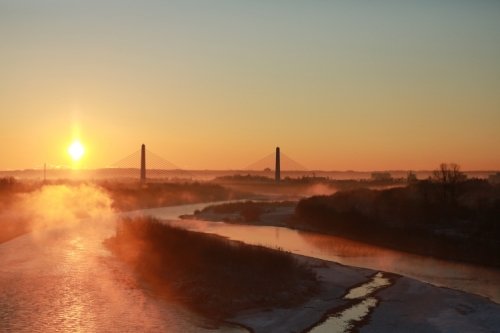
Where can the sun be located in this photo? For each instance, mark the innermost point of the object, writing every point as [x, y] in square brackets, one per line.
[76, 150]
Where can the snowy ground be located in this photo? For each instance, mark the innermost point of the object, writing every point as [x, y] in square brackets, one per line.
[406, 305]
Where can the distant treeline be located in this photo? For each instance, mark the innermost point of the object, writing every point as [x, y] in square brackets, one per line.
[210, 274]
[11, 226]
[454, 219]
[125, 196]
[130, 195]
[311, 180]
[134, 196]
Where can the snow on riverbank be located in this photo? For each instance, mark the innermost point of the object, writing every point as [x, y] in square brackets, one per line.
[407, 305]
[413, 306]
[335, 280]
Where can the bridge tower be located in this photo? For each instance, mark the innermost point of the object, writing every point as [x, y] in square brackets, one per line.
[143, 163]
[277, 170]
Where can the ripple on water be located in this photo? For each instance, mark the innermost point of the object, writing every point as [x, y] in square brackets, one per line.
[65, 281]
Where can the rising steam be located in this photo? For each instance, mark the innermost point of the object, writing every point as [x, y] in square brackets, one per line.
[58, 206]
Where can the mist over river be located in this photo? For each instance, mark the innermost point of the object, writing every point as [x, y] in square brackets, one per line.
[61, 278]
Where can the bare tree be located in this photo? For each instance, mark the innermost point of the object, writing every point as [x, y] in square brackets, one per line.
[411, 177]
[449, 176]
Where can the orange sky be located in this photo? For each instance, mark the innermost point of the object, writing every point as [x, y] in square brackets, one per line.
[217, 85]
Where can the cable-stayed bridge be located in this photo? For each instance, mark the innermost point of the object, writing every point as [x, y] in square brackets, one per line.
[154, 162]
[269, 162]
[145, 164]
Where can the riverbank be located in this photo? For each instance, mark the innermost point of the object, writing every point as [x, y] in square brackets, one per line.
[404, 305]
[413, 306]
[425, 218]
[209, 274]
[334, 280]
[265, 213]
[338, 215]
[132, 196]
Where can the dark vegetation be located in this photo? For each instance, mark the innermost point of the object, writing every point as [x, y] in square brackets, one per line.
[300, 186]
[10, 188]
[130, 196]
[10, 225]
[249, 211]
[210, 274]
[125, 196]
[244, 178]
[375, 181]
[447, 216]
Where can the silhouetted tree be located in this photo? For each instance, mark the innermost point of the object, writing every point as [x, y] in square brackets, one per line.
[449, 176]
[411, 177]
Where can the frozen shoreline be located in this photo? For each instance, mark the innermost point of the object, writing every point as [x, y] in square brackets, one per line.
[406, 306]
[335, 280]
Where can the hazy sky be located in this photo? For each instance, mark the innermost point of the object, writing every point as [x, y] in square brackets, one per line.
[218, 84]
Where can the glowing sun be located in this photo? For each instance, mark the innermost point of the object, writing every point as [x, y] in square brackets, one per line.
[76, 150]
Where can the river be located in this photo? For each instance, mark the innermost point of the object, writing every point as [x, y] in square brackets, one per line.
[479, 280]
[63, 280]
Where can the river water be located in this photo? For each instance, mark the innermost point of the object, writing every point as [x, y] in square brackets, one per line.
[63, 280]
[483, 281]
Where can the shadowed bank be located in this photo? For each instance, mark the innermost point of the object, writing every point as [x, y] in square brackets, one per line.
[209, 274]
